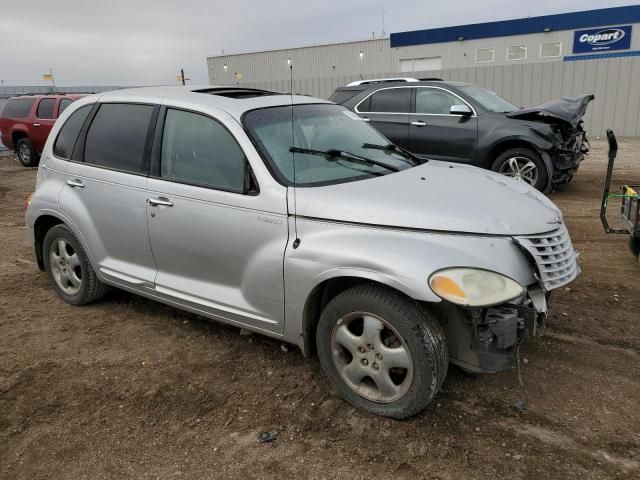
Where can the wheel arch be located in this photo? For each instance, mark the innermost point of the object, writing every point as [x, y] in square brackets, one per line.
[41, 226]
[327, 290]
[18, 135]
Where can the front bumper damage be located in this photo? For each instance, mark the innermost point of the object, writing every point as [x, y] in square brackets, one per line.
[567, 156]
[484, 340]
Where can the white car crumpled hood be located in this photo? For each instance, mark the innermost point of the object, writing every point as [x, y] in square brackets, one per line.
[439, 196]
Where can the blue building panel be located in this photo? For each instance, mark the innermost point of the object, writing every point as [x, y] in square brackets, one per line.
[521, 26]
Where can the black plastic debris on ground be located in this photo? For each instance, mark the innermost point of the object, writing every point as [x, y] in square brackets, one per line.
[266, 437]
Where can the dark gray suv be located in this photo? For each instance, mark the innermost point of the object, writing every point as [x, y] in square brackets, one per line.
[464, 123]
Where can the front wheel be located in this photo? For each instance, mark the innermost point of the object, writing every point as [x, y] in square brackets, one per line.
[522, 164]
[383, 352]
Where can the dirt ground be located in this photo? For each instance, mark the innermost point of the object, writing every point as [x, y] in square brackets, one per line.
[128, 388]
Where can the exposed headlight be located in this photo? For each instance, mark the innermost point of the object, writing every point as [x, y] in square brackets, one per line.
[474, 288]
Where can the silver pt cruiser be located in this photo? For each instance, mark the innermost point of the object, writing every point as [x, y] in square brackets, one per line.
[292, 217]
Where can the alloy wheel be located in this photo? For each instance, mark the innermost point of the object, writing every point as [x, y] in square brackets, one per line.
[520, 168]
[25, 153]
[371, 357]
[65, 266]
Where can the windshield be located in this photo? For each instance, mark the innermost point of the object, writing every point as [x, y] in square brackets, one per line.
[489, 100]
[328, 143]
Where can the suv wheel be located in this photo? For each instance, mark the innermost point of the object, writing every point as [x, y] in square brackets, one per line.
[383, 352]
[522, 164]
[68, 267]
[26, 153]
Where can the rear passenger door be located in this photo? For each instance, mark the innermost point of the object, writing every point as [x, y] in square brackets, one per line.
[105, 195]
[435, 133]
[43, 123]
[388, 111]
[219, 248]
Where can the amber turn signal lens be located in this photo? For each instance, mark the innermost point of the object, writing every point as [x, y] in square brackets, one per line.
[445, 287]
[27, 202]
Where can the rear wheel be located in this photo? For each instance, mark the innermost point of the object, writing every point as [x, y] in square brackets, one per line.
[383, 352]
[68, 267]
[522, 164]
[26, 153]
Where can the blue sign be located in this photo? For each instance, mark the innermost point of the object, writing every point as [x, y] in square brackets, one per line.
[602, 39]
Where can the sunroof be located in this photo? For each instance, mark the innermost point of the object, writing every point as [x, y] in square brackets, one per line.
[238, 93]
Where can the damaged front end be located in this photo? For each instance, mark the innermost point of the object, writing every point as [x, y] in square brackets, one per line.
[485, 340]
[567, 139]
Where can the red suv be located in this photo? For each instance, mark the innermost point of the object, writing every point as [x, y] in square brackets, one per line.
[26, 121]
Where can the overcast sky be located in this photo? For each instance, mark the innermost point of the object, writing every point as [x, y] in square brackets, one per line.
[145, 42]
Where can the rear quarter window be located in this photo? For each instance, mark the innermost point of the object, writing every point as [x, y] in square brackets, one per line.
[341, 96]
[18, 108]
[69, 132]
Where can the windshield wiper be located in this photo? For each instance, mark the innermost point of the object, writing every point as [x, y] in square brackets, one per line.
[334, 154]
[409, 157]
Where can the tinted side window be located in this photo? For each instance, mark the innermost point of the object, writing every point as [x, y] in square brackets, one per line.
[69, 132]
[117, 136]
[197, 149]
[17, 108]
[435, 101]
[394, 100]
[64, 103]
[45, 108]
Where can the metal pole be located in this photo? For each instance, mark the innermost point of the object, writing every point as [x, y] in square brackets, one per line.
[182, 75]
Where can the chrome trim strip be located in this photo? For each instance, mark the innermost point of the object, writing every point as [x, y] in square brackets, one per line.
[475, 114]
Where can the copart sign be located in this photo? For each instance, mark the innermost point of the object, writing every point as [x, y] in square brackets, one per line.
[600, 39]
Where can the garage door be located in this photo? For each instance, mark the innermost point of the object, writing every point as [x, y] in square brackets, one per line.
[420, 64]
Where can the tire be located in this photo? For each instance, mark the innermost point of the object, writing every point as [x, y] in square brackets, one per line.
[26, 153]
[68, 267]
[513, 161]
[634, 245]
[405, 334]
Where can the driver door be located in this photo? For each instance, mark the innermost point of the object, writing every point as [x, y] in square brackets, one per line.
[435, 133]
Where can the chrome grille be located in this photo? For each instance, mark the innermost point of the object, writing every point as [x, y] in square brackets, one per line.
[554, 256]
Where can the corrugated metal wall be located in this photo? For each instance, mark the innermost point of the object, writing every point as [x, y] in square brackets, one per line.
[614, 81]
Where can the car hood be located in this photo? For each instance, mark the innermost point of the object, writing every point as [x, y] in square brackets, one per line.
[567, 109]
[437, 196]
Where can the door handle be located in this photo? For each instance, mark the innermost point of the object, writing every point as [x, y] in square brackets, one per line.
[75, 183]
[419, 123]
[36, 124]
[165, 202]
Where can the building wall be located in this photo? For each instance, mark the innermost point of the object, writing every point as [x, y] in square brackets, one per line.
[343, 59]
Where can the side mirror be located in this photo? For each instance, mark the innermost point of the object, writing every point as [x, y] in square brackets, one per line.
[460, 110]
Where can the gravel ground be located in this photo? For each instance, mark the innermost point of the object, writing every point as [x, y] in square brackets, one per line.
[131, 388]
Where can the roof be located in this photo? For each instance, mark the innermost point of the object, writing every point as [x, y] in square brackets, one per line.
[206, 95]
[521, 26]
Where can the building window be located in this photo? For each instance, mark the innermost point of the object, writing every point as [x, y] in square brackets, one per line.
[552, 49]
[485, 55]
[517, 52]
